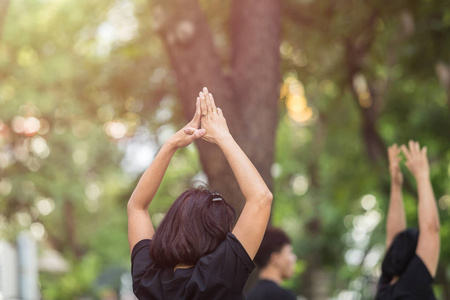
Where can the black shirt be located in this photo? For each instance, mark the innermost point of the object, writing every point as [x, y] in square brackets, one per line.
[414, 283]
[221, 274]
[269, 290]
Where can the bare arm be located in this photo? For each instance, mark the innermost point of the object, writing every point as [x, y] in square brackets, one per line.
[396, 220]
[428, 246]
[139, 222]
[252, 222]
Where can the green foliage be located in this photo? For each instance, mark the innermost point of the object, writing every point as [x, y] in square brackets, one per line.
[76, 283]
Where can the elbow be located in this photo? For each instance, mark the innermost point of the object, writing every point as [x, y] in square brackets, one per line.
[269, 197]
[433, 227]
[436, 227]
[266, 198]
[134, 205]
[129, 206]
[262, 199]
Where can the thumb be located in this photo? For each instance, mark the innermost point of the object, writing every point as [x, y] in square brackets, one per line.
[198, 133]
[189, 130]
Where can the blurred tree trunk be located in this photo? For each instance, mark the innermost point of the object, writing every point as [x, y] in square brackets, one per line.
[246, 90]
[357, 47]
[3, 9]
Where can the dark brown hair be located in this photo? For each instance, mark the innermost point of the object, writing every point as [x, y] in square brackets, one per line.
[193, 227]
[273, 241]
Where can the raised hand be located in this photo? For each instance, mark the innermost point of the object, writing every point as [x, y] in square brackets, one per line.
[212, 119]
[394, 167]
[190, 132]
[416, 160]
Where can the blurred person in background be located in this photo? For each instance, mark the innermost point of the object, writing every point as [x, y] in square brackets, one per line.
[197, 252]
[276, 263]
[412, 256]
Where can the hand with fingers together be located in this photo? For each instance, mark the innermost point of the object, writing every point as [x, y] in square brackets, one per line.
[212, 119]
[416, 160]
[190, 132]
[394, 166]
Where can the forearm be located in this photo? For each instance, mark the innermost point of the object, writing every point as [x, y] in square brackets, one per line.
[250, 181]
[428, 213]
[151, 179]
[396, 220]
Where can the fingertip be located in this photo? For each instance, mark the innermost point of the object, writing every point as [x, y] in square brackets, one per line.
[186, 130]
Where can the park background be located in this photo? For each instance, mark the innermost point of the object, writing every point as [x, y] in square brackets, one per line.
[313, 90]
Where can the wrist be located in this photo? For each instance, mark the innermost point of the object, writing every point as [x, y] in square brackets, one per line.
[223, 140]
[422, 177]
[170, 145]
[396, 183]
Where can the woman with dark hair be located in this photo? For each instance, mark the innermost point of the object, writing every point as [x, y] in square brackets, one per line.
[197, 252]
[411, 260]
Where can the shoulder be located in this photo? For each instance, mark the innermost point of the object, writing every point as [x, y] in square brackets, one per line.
[282, 293]
[140, 260]
[417, 270]
[266, 289]
[229, 264]
[416, 281]
[229, 251]
[240, 251]
[141, 245]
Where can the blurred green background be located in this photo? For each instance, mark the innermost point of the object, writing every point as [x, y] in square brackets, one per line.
[88, 95]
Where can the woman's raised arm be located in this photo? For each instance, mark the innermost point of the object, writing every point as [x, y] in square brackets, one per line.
[139, 223]
[396, 220]
[428, 246]
[252, 222]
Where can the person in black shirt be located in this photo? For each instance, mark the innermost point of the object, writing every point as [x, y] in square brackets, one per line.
[197, 252]
[276, 262]
[411, 260]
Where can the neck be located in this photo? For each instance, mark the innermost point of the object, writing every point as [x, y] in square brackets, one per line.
[271, 273]
[182, 266]
[394, 280]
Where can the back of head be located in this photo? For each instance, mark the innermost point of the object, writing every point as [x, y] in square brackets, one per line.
[400, 253]
[273, 241]
[195, 225]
